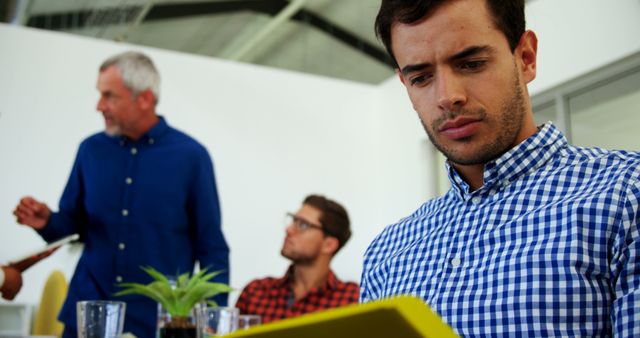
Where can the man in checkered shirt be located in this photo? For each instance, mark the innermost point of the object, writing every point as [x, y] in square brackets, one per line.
[535, 237]
[314, 234]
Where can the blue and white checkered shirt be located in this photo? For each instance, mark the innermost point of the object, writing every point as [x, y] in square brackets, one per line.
[549, 246]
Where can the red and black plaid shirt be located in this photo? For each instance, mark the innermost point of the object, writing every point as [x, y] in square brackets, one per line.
[273, 299]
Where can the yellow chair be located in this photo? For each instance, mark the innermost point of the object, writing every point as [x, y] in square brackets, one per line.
[46, 320]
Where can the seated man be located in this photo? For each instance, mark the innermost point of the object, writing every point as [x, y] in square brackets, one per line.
[313, 236]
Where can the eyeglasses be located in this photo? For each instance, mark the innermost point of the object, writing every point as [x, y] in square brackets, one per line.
[301, 224]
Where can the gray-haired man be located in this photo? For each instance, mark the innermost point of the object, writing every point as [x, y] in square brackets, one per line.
[140, 194]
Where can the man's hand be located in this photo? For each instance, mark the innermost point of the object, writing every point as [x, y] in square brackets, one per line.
[12, 283]
[32, 213]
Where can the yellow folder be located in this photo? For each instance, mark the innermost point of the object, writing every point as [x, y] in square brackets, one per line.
[400, 317]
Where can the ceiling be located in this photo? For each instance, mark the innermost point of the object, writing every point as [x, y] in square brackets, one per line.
[324, 37]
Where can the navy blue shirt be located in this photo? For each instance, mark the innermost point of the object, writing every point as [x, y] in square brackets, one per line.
[150, 202]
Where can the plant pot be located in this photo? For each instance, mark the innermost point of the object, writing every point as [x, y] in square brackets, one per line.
[179, 327]
[167, 332]
[176, 326]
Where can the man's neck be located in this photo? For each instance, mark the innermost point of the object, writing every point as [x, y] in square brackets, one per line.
[144, 126]
[307, 277]
[472, 174]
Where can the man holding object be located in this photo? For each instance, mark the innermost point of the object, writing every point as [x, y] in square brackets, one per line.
[536, 237]
[140, 194]
[11, 274]
[10, 282]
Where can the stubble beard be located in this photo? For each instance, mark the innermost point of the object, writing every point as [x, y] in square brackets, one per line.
[508, 125]
[113, 131]
[297, 258]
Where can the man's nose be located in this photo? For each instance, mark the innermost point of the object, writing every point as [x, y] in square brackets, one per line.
[290, 229]
[450, 91]
[101, 105]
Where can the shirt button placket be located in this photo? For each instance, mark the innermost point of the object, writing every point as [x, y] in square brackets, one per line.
[128, 181]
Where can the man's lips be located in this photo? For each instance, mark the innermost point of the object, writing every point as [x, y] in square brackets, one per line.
[460, 128]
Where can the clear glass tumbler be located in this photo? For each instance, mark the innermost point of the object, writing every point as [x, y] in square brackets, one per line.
[247, 321]
[219, 321]
[100, 319]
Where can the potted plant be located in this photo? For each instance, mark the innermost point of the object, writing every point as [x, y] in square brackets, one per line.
[178, 298]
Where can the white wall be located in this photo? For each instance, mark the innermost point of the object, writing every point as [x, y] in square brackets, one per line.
[275, 137]
[578, 36]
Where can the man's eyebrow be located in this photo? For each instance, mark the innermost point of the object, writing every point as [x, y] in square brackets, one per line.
[406, 70]
[470, 51]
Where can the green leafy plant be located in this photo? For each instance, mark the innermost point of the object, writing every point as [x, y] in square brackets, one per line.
[181, 298]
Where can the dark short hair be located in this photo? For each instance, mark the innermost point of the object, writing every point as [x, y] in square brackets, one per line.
[334, 218]
[508, 16]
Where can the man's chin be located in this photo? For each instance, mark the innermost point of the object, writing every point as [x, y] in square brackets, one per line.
[293, 257]
[474, 159]
[112, 131]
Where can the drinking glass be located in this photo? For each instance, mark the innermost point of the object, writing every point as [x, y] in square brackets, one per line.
[247, 321]
[100, 319]
[219, 321]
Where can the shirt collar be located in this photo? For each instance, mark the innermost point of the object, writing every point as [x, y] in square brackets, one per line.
[152, 135]
[522, 159]
[158, 130]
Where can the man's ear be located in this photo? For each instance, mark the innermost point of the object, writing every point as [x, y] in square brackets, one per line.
[146, 100]
[526, 54]
[330, 245]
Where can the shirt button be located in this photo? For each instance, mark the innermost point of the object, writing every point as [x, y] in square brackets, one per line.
[119, 279]
[128, 180]
[125, 212]
[456, 261]
[134, 151]
[475, 200]
[121, 246]
[151, 141]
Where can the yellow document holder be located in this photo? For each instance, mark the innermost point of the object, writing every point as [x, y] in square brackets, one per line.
[400, 317]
